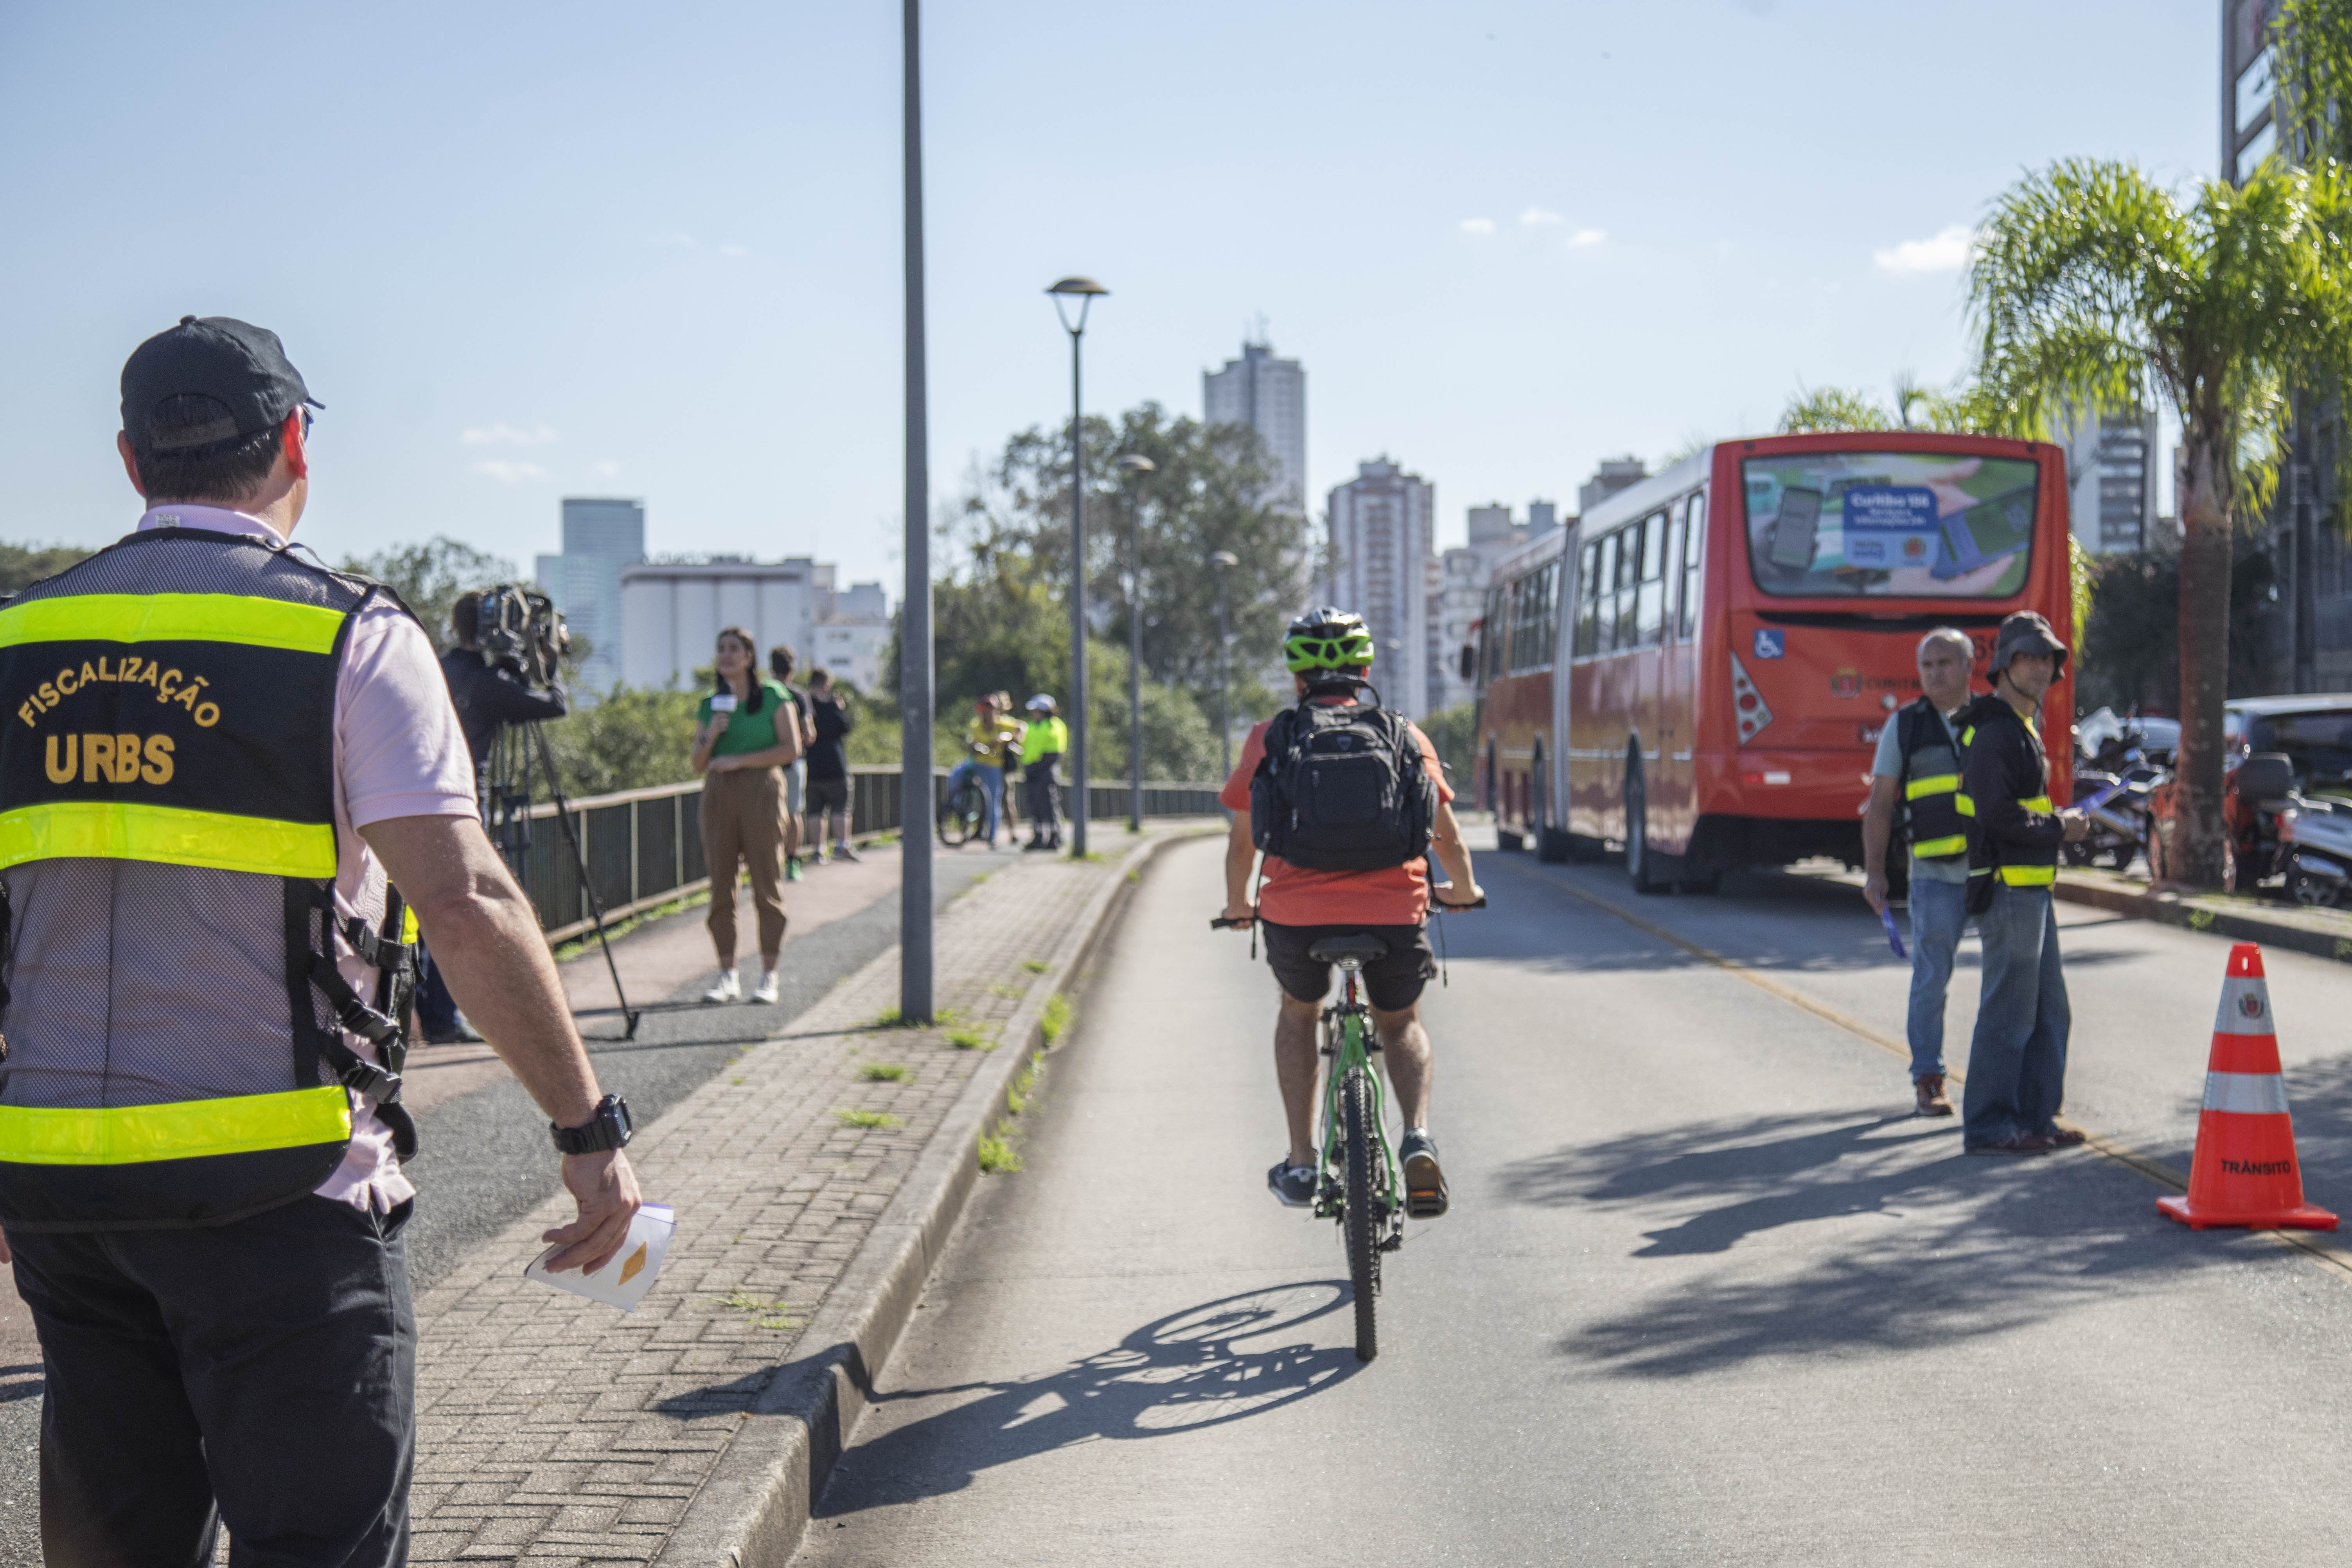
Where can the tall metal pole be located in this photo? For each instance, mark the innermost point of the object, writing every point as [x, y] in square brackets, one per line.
[1079, 790]
[1224, 686]
[1134, 665]
[915, 696]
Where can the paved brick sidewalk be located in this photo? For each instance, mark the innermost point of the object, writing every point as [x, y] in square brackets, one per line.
[552, 1430]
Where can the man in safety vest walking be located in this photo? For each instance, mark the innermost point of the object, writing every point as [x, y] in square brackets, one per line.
[217, 751]
[2017, 1062]
[1917, 775]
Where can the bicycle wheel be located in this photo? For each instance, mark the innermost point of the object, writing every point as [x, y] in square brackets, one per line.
[961, 816]
[1361, 1223]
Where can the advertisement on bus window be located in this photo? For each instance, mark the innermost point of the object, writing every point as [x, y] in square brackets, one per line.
[1889, 524]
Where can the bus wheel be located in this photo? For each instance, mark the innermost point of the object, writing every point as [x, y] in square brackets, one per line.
[1643, 864]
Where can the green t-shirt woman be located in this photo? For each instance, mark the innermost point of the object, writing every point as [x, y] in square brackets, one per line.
[748, 732]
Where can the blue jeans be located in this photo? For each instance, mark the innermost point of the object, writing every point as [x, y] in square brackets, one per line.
[991, 788]
[2017, 1063]
[1938, 913]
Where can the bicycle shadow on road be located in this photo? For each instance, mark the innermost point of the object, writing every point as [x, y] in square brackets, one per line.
[1182, 1372]
[1905, 1242]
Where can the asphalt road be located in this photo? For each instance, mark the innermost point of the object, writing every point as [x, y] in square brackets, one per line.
[484, 1159]
[1707, 1294]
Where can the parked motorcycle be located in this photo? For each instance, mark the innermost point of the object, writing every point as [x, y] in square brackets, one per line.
[2275, 830]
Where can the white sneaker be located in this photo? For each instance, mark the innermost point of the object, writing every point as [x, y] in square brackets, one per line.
[768, 988]
[728, 988]
[844, 852]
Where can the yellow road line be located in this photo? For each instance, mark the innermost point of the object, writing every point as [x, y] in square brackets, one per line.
[2316, 1245]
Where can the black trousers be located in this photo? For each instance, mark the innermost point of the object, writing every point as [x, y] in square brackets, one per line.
[1045, 799]
[260, 1375]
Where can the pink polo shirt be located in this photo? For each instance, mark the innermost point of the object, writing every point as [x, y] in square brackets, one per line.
[398, 753]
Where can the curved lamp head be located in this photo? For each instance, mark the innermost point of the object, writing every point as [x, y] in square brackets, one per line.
[1222, 559]
[1136, 466]
[1081, 289]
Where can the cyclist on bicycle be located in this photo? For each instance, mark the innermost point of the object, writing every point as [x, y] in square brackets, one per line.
[1329, 653]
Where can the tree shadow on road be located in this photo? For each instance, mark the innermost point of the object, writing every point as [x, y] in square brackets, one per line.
[1191, 1370]
[1906, 1242]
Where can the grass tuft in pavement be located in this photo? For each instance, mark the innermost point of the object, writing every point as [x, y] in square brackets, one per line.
[998, 1157]
[1033, 965]
[885, 1072]
[1025, 1085]
[862, 1118]
[966, 1037]
[1058, 1013]
[762, 1313]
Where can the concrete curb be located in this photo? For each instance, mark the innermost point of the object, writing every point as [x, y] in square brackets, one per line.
[2211, 916]
[756, 1502]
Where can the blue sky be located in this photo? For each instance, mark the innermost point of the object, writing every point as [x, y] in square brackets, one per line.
[529, 250]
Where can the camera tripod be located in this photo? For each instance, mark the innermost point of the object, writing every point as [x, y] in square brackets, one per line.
[515, 753]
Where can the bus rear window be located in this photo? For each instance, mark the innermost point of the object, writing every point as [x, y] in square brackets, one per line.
[1828, 525]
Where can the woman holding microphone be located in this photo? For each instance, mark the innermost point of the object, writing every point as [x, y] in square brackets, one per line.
[749, 733]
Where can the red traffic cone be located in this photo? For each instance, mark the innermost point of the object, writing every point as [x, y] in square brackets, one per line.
[2244, 1172]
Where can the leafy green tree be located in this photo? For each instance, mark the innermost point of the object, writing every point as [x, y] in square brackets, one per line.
[430, 576]
[1835, 409]
[2127, 652]
[631, 738]
[22, 565]
[2091, 284]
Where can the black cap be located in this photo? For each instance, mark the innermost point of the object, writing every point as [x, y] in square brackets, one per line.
[2025, 632]
[240, 366]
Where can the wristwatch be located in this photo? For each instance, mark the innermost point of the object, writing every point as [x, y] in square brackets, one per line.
[610, 1128]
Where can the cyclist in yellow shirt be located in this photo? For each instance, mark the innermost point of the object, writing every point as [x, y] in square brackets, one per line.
[991, 737]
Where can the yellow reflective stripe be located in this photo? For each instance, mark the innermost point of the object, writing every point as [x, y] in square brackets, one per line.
[172, 617]
[1932, 847]
[2038, 802]
[408, 926]
[185, 1130]
[1967, 734]
[2029, 876]
[116, 830]
[1966, 805]
[1942, 783]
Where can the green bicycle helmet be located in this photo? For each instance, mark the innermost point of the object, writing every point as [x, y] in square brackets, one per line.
[1327, 638]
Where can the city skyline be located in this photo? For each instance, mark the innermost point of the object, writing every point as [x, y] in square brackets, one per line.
[501, 301]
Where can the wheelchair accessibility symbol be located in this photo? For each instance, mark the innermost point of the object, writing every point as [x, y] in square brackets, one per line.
[1771, 642]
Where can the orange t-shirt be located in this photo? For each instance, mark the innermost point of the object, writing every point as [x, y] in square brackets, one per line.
[1293, 896]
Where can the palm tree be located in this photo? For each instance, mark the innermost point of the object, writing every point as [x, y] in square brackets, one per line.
[2091, 286]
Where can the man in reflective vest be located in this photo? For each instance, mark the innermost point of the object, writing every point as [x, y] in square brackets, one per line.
[2017, 1062]
[214, 750]
[1917, 776]
[1042, 745]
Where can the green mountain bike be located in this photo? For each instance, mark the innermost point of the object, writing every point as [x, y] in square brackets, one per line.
[1360, 1186]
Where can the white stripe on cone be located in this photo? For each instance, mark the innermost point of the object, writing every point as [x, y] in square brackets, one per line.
[2246, 1093]
[2245, 1007]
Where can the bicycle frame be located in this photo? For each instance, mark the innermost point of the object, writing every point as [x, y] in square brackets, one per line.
[1350, 1041]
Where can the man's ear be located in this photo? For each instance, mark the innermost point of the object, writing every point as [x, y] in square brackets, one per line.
[130, 461]
[297, 459]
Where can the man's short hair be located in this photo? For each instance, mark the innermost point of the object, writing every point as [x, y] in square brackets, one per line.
[1952, 635]
[779, 660]
[226, 471]
[465, 618]
[820, 675]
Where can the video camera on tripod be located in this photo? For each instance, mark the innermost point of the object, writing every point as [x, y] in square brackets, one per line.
[521, 632]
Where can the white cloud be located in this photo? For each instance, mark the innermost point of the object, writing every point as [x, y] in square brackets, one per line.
[734, 250]
[1535, 216]
[1947, 251]
[509, 472]
[503, 435]
[1586, 238]
[1477, 225]
[679, 238]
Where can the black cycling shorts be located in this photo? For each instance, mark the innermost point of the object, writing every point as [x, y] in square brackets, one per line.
[1391, 983]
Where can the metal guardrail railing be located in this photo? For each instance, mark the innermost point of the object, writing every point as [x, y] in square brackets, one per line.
[644, 846]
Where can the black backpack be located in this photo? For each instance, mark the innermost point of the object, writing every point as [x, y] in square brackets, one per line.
[1342, 788]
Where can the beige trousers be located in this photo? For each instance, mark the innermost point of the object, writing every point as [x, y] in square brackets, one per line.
[743, 819]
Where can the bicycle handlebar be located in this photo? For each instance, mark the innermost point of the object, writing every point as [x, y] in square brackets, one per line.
[1221, 923]
[1461, 909]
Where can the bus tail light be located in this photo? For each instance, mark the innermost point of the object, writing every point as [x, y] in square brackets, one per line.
[1747, 704]
[1771, 776]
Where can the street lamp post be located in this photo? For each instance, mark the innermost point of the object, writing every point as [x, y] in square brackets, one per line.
[1135, 467]
[1083, 291]
[914, 799]
[1225, 561]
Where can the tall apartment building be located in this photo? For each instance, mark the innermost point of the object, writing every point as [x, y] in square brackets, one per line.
[852, 639]
[603, 537]
[1384, 567]
[1269, 396]
[1464, 574]
[2111, 472]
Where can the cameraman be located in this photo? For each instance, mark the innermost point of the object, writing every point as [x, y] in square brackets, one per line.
[486, 696]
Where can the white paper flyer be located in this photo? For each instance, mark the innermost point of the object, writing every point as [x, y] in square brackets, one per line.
[629, 1273]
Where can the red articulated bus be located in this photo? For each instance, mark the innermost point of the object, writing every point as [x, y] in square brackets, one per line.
[1698, 670]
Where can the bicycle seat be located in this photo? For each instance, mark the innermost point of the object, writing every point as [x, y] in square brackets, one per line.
[1348, 952]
